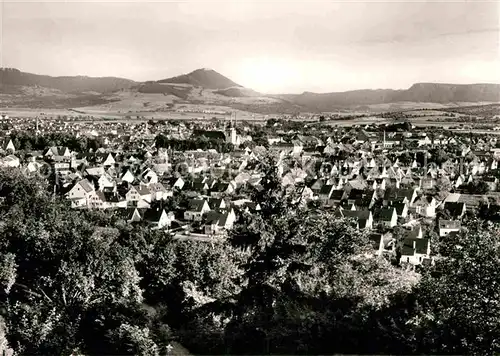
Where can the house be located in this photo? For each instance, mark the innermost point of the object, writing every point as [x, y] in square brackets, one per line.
[216, 221]
[381, 243]
[128, 177]
[325, 193]
[105, 181]
[96, 200]
[216, 204]
[131, 214]
[149, 176]
[158, 218]
[415, 250]
[137, 194]
[158, 191]
[398, 195]
[425, 205]
[246, 205]
[57, 151]
[197, 207]
[363, 218]
[387, 217]
[415, 233]
[178, 183]
[80, 193]
[317, 185]
[9, 146]
[200, 187]
[401, 209]
[219, 189]
[111, 199]
[107, 160]
[448, 226]
[10, 161]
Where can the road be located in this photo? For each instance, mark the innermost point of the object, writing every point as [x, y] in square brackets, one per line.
[198, 237]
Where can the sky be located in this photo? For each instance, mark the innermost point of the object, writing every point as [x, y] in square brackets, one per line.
[272, 46]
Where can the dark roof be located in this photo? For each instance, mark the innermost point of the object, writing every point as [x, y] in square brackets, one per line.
[399, 208]
[214, 203]
[356, 194]
[412, 245]
[395, 194]
[199, 186]
[326, 189]
[375, 240]
[196, 204]
[153, 215]
[455, 209]
[220, 187]
[216, 218]
[357, 214]
[385, 214]
[421, 246]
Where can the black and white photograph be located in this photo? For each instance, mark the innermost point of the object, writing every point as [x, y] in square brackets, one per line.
[249, 177]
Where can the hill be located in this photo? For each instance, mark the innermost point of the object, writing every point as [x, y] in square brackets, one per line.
[205, 78]
[238, 92]
[11, 79]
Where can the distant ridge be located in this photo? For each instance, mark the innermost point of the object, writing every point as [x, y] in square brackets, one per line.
[419, 92]
[206, 86]
[205, 78]
[68, 84]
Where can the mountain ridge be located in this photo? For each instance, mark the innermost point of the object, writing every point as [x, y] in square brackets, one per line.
[207, 85]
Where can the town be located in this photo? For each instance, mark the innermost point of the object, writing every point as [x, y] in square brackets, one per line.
[407, 187]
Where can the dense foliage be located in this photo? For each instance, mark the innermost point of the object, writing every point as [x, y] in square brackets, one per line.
[25, 141]
[202, 143]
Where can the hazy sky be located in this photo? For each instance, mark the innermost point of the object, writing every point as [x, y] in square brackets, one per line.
[280, 46]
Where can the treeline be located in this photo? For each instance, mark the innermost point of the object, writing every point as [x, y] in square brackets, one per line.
[288, 280]
[27, 141]
[202, 142]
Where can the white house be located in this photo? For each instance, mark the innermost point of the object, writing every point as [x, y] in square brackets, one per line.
[448, 226]
[80, 193]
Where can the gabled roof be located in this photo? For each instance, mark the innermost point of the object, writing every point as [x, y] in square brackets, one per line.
[216, 218]
[142, 190]
[399, 208]
[156, 187]
[153, 215]
[86, 185]
[214, 203]
[196, 204]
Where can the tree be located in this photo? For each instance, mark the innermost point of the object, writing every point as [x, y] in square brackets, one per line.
[459, 299]
[478, 187]
[59, 270]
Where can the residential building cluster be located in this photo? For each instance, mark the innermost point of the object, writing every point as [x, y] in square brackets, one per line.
[406, 186]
